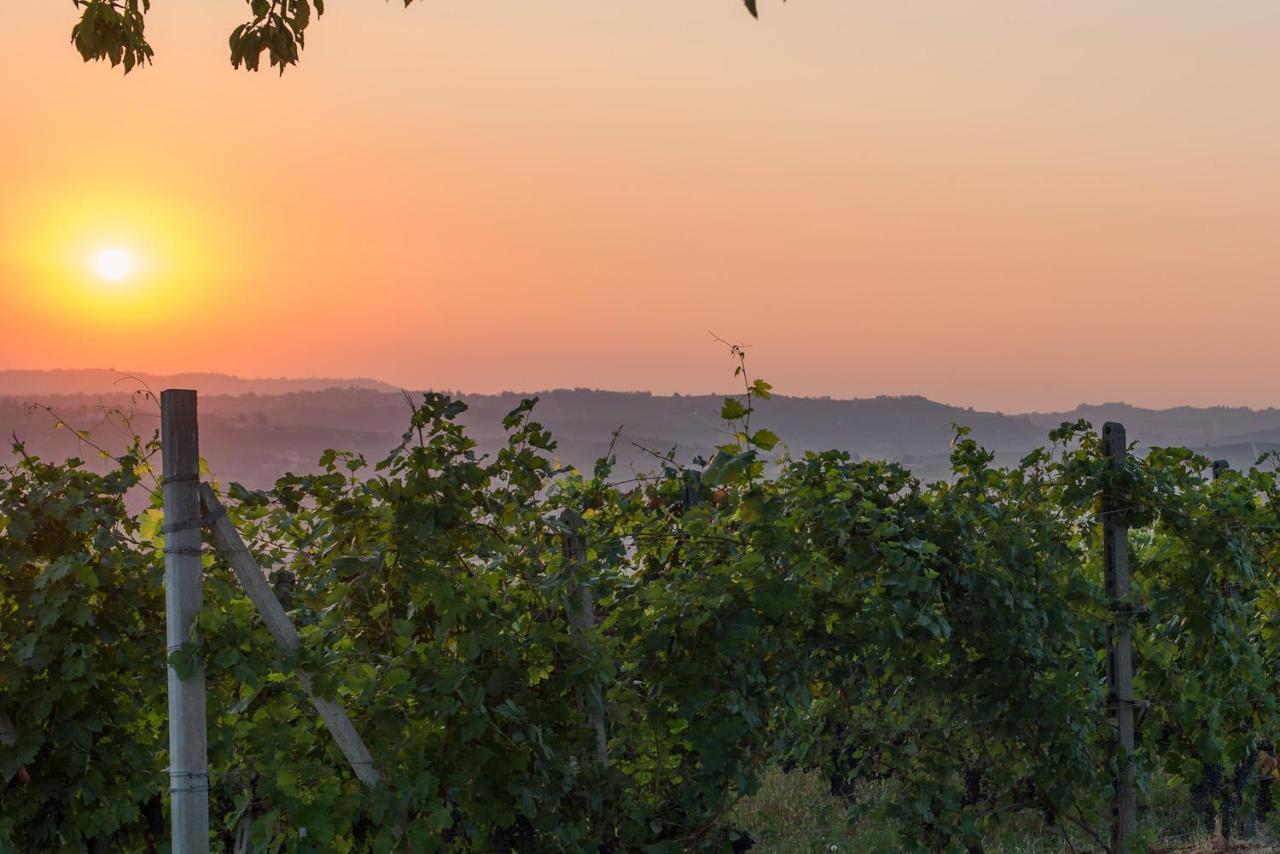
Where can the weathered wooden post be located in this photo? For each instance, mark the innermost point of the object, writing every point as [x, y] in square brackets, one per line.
[8, 732]
[1234, 788]
[1221, 467]
[1115, 555]
[583, 622]
[183, 533]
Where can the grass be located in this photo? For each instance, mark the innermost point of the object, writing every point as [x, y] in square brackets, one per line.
[794, 813]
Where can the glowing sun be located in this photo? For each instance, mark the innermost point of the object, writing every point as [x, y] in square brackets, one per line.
[114, 265]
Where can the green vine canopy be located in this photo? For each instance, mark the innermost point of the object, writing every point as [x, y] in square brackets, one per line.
[544, 659]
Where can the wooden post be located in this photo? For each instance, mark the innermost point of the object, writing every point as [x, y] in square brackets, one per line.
[1115, 551]
[1221, 467]
[8, 732]
[183, 533]
[227, 540]
[1233, 786]
[575, 553]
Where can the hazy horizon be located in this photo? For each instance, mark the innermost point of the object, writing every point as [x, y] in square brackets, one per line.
[125, 382]
[253, 432]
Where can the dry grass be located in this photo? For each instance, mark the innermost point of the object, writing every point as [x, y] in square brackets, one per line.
[1218, 845]
[793, 813]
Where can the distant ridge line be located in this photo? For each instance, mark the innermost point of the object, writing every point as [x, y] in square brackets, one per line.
[103, 381]
[256, 429]
[90, 381]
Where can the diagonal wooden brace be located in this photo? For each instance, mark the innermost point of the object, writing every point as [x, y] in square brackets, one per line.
[227, 540]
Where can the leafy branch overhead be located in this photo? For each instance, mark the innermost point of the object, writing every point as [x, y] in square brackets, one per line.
[115, 30]
[751, 7]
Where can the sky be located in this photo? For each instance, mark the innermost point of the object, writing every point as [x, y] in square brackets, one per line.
[1004, 205]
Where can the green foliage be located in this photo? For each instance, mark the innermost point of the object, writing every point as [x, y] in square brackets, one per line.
[483, 617]
[278, 28]
[114, 30]
[81, 659]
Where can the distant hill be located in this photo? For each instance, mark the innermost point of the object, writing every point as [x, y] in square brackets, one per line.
[92, 381]
[252, 431]
[1190, 426]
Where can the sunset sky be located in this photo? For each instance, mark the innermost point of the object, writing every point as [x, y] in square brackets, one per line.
[1012, 205]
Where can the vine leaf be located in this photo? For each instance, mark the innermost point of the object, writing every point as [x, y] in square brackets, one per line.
[185, 660]
[732, 409]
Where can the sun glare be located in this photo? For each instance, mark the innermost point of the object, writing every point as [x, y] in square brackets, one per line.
[111, 258]
[114, 265]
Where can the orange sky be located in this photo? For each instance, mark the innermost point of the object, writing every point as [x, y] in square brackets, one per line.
[1007, 205]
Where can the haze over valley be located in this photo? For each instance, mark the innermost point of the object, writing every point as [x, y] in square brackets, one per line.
[253, 431]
